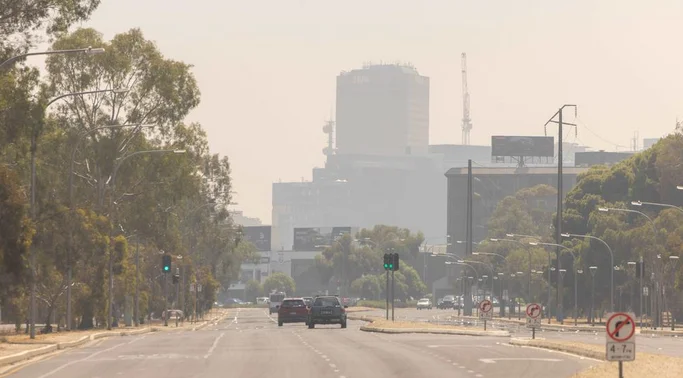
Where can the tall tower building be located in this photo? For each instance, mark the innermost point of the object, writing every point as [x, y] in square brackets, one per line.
[382, 110]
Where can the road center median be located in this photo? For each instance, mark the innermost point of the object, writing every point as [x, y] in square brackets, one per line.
[386, 326]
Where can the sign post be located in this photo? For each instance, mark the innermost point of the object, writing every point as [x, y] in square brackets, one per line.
[485, 311]
[620, 338]
[533, 317]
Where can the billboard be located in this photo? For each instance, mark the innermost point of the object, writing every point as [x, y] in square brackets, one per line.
[537, 146]
[258, 236]
[317, 238]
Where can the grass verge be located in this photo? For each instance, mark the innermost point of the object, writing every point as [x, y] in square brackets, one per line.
[645, 365]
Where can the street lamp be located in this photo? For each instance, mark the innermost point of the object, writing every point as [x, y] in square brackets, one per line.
[111, 203]
[611, 256]
[654, 233]
[528, 251]
[87, 51]
[593, 270]
[535, 244]
[69, 251]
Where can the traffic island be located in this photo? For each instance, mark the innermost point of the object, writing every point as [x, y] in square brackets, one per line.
[359, 309]
[386, 326]
[645, 364]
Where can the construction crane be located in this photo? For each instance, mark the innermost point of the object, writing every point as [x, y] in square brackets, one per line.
[466, 121]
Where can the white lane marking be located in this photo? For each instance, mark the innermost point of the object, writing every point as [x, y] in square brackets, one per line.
[333, 366]
[51, 372]
[471, 371]
[493, 360]
[213, 346]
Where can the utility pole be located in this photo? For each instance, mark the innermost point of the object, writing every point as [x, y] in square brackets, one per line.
[468, 237]
[560, 197]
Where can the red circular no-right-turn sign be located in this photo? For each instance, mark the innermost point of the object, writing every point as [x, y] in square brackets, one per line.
[533, 310]
[620, 327]
[485, 306]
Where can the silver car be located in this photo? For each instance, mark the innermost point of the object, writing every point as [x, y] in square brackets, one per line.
[424, 303]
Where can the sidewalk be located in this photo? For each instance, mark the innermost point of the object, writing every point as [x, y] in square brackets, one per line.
[20, 347]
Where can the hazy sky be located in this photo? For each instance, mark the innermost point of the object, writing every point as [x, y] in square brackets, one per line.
[267, 69]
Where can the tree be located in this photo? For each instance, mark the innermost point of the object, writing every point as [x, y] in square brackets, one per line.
[253, 290]
[368, 286]
[22, 20]
[279, 282]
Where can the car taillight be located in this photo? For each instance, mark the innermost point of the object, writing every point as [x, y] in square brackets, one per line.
[343, 310]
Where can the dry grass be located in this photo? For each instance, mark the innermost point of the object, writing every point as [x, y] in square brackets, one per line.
[645, 365]
[50, 338]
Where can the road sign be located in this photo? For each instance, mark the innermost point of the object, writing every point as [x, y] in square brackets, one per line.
[620, 337]
[485, 309]
[533, 315]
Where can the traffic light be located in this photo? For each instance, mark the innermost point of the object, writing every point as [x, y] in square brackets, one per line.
[394, 263]
[388, 263]
[166, 263]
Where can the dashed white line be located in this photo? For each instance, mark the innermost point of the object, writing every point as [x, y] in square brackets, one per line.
[213, 346]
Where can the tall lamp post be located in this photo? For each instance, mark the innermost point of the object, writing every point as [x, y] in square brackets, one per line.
[593, 270]
[34, 151]
[87, 51]
[561, 273]
[654, 232]
[529, 251]
[120, 161]
[611, 256]
[72, 173]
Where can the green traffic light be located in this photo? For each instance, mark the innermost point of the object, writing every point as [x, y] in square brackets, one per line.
[166, 268]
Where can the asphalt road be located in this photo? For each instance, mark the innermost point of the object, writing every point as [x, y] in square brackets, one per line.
[666, 345]
[251, 345]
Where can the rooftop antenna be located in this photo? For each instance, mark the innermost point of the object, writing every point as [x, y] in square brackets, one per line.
[329, 129]
[466, 121]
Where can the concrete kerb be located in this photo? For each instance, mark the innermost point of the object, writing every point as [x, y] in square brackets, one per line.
[571, 349]
[443, 331]
[27, 354]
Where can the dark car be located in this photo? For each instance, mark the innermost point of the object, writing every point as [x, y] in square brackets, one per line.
[448, 302]
[327, 310]
[292, 310]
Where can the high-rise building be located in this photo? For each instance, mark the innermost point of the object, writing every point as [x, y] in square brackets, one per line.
[382, 110]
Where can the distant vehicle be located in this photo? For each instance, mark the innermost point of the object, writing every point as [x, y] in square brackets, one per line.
[275, 299]
[447, 303]
[424, 303]
[262, 300]
[327, 310]
[292, 310]
[308, 300]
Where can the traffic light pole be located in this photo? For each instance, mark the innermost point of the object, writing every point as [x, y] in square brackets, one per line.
[165, 300]
[393, 301]
[177, 295]
[387, 291]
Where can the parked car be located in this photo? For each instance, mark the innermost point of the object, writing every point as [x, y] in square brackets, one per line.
[424, 303]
